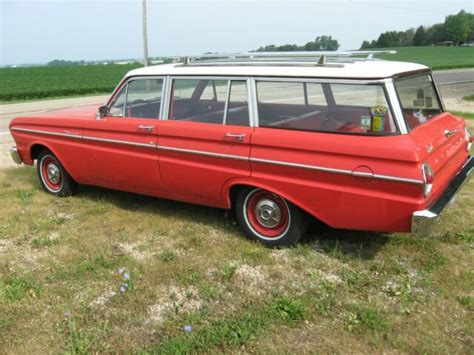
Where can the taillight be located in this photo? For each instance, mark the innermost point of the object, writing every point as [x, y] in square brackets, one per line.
[469, 139]
[428, 177]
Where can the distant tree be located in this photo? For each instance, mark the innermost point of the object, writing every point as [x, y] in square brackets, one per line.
[365, 45]
[420, 38]
[62, 62]
[457, 27]
[436, 33]
[327, 43]
[408, 37]
[312, 46]
[287, 48]
[321, 43]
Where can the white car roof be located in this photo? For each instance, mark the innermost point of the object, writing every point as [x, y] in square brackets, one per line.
[369, 69]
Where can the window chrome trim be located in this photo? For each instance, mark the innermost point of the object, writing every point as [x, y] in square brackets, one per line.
[300, 79]
[166, 99]
[438, 93]
[125, 100]
[128, 80]
[226, 103]
[382, 83]
[252, 99]
[229, 79]
[394, 102]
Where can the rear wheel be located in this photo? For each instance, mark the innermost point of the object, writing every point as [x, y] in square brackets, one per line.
[52, 176]
[269, 218]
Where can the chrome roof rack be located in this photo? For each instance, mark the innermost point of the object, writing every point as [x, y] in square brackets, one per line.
[310, 58]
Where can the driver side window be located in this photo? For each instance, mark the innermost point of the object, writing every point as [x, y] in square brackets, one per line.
[140, 98]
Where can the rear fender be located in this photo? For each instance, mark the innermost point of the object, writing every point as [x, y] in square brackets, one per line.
[226, 194]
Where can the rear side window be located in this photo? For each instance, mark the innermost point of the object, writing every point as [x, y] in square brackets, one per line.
[214, 101]
[339, 108]
[418, 99]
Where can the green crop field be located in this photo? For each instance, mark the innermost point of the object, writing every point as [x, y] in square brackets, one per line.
[43, 82]
[434, 57]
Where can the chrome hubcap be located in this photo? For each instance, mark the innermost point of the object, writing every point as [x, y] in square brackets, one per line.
[54, 174]
[268, 213]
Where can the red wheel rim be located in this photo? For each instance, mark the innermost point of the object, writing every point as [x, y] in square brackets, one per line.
[51, 173]
[267, 214]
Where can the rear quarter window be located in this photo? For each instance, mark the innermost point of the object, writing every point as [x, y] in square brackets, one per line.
[418, 99]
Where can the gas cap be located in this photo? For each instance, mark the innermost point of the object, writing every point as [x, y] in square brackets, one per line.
[363, 171]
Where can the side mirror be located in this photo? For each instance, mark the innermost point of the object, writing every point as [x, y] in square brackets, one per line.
[102, 111]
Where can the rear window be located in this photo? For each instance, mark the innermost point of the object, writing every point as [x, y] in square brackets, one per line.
[338, 108]
[418, 99]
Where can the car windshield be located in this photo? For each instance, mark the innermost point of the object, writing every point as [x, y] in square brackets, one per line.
[418, 98]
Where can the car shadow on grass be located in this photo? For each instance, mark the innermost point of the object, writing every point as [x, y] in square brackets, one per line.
[342, 244]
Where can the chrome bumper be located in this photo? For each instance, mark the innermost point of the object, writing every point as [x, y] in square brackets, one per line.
[15, 155]
[422, 221]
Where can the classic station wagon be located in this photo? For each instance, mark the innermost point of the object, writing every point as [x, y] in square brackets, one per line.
[356, 143]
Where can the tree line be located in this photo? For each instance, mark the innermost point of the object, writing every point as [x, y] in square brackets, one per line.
[321, 43]
[456, 29]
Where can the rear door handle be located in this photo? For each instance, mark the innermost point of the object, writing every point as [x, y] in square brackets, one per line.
[146, 128]
[236, 136]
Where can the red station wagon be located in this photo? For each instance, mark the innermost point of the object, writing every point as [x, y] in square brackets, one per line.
[358, 144]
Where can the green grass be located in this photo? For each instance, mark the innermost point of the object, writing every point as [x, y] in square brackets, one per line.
[63, 262]
[467, 115]
[468, 98]
[434, 57]
[32, 83]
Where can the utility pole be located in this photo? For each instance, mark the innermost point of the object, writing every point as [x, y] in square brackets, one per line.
[145, 36]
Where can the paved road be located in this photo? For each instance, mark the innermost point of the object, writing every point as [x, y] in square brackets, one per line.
[455, 76]
[7, 112]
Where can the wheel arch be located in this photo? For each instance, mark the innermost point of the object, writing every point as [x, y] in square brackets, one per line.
[36, 148]
[232, 188]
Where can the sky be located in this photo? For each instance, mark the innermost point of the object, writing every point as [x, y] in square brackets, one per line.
[37, 31]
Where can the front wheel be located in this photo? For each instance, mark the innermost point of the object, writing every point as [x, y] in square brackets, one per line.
[269, 218]
[52, 176]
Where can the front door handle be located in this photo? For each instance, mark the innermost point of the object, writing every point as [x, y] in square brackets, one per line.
[146, 128]
[236, 136]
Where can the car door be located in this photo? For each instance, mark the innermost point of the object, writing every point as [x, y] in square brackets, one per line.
[121, 150]
[206, 140]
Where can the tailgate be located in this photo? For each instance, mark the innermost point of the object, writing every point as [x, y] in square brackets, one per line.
[443, 145]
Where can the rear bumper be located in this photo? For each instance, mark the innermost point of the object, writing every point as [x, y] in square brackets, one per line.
[422, 221]
[15, 155]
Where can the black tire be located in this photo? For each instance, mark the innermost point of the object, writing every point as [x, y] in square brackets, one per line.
[53, 178]
[269, 218]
